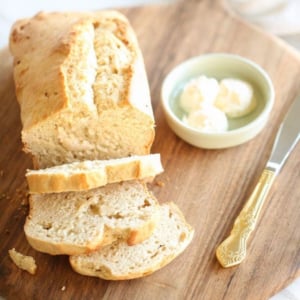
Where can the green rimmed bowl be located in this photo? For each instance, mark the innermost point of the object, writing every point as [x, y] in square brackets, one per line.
[218, 66]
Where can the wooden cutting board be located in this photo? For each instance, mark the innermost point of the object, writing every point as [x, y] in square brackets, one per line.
[210, 186]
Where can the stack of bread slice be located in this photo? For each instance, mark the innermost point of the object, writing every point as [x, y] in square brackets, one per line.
[102, 214]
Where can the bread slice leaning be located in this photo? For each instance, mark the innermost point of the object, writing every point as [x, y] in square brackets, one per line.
[119, 261]
[79, 222]
[86, 175]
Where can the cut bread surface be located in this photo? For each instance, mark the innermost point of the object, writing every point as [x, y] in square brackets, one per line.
[86, 175]
[79, 222]
[82, 87]
[119, 261]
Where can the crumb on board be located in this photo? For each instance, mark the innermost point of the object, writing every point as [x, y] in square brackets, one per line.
[4, 196]
[25, 200]
[22, 261]
[63, 288]
[22, 196]
[159, 183]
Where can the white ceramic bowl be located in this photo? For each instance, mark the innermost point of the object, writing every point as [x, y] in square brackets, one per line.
[218, 65]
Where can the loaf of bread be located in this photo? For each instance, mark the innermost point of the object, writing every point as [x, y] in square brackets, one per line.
[79, 222]
[119, 261]
[86, 175]
[82, 87]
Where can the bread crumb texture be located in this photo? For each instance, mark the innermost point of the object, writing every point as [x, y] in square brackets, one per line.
[79, 222]
[119, 261]
[22, 261]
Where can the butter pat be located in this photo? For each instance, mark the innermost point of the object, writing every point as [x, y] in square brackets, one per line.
[208, 104]
[235, 98]
[207, 119]
[198, 91]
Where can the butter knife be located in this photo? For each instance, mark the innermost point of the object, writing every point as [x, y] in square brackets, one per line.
[232, 250]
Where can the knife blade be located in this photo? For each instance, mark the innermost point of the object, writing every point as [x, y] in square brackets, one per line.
[287, 137]
[232, 251]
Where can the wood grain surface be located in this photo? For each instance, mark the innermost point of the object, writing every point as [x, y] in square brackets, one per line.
[210, 186]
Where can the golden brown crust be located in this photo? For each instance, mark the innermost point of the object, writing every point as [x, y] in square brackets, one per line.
[46, 49]
[32, 71]
[87, 175]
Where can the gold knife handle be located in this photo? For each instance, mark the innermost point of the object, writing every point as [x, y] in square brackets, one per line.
[232, 250]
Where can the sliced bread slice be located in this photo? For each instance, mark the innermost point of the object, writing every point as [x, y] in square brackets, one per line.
[79, 222]
[119, 261]
[87, 174]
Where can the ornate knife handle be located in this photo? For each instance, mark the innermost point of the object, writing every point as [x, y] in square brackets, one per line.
[232, 250]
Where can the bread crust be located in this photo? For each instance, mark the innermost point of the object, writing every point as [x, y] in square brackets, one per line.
[42, 47]
[91, 174]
